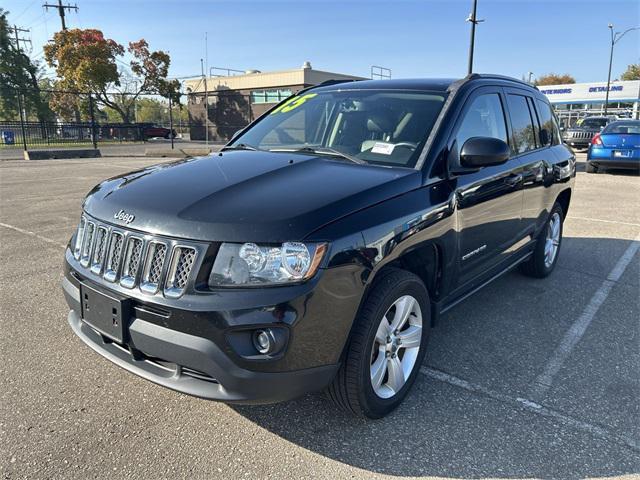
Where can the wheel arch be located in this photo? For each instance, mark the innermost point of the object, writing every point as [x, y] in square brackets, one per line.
[564, 199]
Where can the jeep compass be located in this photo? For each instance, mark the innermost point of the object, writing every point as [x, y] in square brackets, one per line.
[319, 247]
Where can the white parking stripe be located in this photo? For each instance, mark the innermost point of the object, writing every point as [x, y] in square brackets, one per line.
[575, 333]
[32, 234]
[571, 217]
[532, 407]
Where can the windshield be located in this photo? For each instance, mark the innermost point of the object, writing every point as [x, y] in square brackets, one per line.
[623, 127]
[373, 126]
[594, 123]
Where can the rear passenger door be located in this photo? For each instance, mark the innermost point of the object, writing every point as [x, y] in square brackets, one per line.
[489, 200]
[532, 148]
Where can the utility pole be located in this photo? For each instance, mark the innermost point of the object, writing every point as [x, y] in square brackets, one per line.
[615, 38]
[206, 90]
[61, 8]
[21, 106]
[17, 32]
[474, 21]
[206, 104]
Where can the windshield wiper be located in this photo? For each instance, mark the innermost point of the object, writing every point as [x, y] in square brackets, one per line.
[321, 151]
[242, 146]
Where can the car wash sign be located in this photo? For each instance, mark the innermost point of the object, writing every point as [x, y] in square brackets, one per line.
[592, 92]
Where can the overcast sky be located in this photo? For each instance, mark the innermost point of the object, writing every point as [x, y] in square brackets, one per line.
[417, 38]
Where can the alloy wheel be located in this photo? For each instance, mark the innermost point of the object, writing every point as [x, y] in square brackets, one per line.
[396, 346]
[552, 242]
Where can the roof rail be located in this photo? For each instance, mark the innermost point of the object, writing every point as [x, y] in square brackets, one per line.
[474, 76]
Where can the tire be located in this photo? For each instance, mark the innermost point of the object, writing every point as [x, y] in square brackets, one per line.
[590, 168]
[352, 389]
[540, 264]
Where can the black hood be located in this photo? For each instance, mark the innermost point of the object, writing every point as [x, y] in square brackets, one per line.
[245, 196]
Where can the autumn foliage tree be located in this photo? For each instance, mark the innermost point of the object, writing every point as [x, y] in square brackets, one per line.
[87, 61]
[554, 79]
[632, 72]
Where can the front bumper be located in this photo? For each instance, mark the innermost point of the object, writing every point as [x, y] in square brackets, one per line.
[216, 377]
[577, 142]
[187, 347]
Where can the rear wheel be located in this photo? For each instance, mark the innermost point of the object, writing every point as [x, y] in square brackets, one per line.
[590, 168]
[545, 253]
[387, 347]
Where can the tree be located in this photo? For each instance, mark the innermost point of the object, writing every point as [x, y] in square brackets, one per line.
[554, 79]
[632, 72]
[18, 79]
[86, 61]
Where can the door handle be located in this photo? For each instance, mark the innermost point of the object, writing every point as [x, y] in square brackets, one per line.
[513, 180]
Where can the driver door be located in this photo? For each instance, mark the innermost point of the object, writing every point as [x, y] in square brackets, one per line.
[489, 200]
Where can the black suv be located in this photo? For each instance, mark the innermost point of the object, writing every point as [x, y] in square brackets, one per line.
[580, 135]
[318, 249]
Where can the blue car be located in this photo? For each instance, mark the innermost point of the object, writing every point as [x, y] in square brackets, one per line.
[616, 146]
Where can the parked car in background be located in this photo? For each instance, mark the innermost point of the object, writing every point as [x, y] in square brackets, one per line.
[319, 247]
[152, 131]
[616, 146]
[580, 135]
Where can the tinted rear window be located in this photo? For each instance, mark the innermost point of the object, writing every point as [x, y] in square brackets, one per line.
[594, 122]
[623, 127]
[523, 135]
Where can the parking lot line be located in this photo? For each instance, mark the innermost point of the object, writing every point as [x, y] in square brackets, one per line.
[544, 381]
[532, 407]
[32, 234]
[571, 217]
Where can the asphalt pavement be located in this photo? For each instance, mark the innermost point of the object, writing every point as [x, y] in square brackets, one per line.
[526, 379]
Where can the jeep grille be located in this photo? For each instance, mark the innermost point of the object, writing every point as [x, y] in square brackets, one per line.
[153, 264]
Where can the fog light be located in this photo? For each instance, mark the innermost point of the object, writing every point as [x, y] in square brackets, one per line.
[264, 341]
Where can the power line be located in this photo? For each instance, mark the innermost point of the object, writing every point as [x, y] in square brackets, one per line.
[61, 9]
[24, 11]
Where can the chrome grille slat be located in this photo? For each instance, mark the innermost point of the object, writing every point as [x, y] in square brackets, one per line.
[182, 262]
[154, 265]
[77, 248]
[133, 255]
[87, 244]
[97, 259]
[152, 271]
[113, 257]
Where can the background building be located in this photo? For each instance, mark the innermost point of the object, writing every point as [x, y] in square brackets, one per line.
[578, 100]
[236, 100]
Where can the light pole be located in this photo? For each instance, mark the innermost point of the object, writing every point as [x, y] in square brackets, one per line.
[474, 21]
[531, 74]
[615, 38]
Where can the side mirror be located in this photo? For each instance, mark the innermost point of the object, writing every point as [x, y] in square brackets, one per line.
[480, 152]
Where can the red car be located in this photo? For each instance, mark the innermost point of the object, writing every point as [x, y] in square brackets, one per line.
[155, 131]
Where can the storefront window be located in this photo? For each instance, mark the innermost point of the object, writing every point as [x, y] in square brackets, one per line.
[270, 96]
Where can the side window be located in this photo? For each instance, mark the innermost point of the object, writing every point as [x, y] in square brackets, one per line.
[548, 123]
[484, 118]
[523, 136]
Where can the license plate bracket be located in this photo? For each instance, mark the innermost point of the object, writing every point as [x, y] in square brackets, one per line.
[107, 313]
[622, 153]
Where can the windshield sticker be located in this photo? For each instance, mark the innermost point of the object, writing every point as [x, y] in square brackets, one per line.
[293, 103]
[383, 148]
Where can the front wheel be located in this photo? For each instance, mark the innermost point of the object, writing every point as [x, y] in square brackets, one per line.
[387, 347]
[545, 253]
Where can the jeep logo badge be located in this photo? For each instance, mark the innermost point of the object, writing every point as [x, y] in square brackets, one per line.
[124, 216]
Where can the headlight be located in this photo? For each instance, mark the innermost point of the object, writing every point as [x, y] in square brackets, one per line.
[251, 264]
